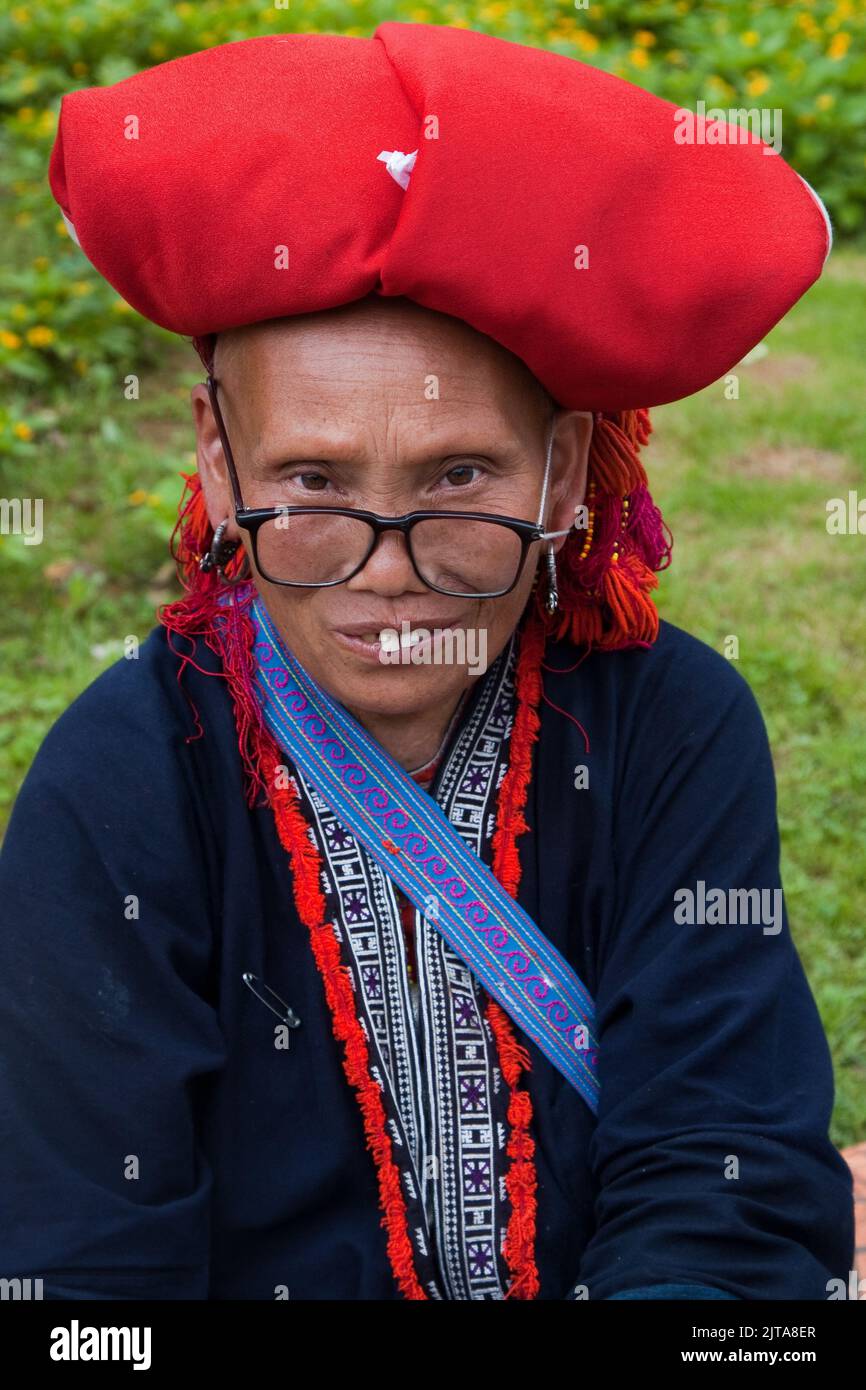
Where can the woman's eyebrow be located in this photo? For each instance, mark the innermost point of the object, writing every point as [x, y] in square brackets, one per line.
[349, 459]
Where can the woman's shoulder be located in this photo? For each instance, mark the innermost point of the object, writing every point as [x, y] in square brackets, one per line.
[657, 703]
[130, 730]
[678, 671]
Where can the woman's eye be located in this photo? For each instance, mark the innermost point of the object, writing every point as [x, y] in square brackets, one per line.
[461, 474]
[311, 482]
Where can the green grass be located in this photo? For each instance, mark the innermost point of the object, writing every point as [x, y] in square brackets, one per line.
[744, 486]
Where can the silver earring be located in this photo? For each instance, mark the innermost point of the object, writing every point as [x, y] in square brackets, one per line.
[221, 551]
[552, 600]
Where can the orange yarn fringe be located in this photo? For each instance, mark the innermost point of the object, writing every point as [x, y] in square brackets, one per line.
[605, 595]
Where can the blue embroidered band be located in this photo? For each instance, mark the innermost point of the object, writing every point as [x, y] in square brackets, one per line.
[406, 833]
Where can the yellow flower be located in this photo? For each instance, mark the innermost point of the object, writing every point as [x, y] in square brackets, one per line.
[27, 84]
[824, 101]
[423, 16]
[81, 287]
[158, 49]
[19, 312]
[79, 68]
[20, 15]
[61, 228]
[80, 366]
[77, 23]
[839, 45]
[645, 38]
[23, 219]
[120, 306]
[588, 42]
[40, 335]
[25, 114]
[758, 84]
[674, 56]
[9, 340]
[806, 118]
[22, 430]
[639, 58]
[720, 85]
[750, 38]
[154, 499]
[47, 120]
[184, 10]
[136, 498]
[40, 263]
[43, 307]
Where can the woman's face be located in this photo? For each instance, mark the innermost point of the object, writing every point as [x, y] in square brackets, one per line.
[391, 408]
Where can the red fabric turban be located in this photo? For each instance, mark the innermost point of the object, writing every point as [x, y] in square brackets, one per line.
[183, 183]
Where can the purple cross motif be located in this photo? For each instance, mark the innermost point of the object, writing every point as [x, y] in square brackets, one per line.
[471, 1093]
[372, 981]
[475, 780]
[476, 1175]
[480, 1258]
[338, 837]
[356, 908]
[464, 1013]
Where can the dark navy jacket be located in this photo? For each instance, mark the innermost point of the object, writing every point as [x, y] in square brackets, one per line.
[130, 1043]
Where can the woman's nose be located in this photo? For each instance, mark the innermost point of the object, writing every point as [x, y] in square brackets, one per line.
[388, 570]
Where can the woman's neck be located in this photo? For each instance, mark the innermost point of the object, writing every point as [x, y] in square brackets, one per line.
[412, 742]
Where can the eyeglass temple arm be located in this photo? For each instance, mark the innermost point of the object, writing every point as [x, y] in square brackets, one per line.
[549, 535]
[224, 441]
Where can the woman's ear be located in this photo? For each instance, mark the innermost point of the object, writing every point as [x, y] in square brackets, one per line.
[571, 445]
[211, 463]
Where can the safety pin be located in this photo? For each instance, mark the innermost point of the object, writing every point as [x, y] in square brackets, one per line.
[287, 1015]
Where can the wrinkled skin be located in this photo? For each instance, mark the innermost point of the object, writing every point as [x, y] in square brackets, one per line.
[336, 407]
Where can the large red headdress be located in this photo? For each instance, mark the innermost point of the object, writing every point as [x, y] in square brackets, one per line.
[629, 253]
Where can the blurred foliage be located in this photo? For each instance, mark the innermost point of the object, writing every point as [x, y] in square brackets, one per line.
[58, 319]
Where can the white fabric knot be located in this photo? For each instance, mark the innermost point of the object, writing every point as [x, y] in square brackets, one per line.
[70, 229]
[399, 165]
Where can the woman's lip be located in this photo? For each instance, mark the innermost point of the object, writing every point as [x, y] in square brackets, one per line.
[429, 625]
[371, 651]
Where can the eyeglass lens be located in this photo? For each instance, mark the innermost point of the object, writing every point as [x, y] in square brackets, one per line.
[456, 554]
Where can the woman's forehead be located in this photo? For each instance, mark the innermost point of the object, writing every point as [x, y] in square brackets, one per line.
[377, 360]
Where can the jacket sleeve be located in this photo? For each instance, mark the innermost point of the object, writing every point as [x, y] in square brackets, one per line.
[107, 1033]
[711, 1152]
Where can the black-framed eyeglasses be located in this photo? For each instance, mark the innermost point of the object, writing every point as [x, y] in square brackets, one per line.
[464, 554]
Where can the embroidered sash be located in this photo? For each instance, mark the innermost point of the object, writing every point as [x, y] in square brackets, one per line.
[406, 834]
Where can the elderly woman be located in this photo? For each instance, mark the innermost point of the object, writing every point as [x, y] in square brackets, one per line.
[405, 922]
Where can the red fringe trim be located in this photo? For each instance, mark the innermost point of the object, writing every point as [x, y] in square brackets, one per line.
[310, 902]
[521, 1182]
